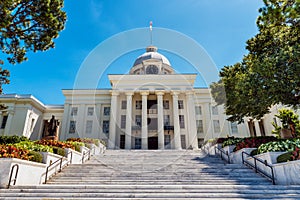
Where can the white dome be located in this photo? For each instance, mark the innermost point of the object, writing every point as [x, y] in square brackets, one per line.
[151, 62]
[151, 54]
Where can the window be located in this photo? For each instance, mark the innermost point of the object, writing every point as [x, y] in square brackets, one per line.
[4, 120]
[166, 104]
[181, 121]
[138, 105]
[72, 128]
[32, 124]
[166, 120]
[215, 110]
[105, 126]
[89, 126]
[234, 128]
[138, 120]
[74, 111]
[199, 124]
[123, 121]
[216, 126]
[90, 111]
[124, 105]
[198, 110]
[106, 111]
[138, 143]
[180, 104]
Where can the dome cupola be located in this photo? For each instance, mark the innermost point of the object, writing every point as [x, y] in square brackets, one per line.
[151, 62]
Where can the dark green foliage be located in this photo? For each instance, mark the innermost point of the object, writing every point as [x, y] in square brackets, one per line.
[35, 156]
[59, 151]
[254, 152]
[269, 73]
[284, 157]
[232, 141]
[28, 25]
[12, 139]
[289, 120]
[280, 145]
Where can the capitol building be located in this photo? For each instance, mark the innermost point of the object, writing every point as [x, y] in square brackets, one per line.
[151, 107]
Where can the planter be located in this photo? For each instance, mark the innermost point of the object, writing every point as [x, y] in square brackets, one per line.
[76, 156]
[30, 173]
[209, 148]
[95, 150]
[228, 148]
[287, 173]
[286, 133]
[236, 157]
[84, 149]
[102, 148]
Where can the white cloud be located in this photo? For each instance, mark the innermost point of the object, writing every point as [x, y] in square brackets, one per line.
[96, 8]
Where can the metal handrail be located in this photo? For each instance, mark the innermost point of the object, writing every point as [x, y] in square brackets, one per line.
[222, 152]
[84, 154]
[60, 165]
[257, 170]
[11, 174]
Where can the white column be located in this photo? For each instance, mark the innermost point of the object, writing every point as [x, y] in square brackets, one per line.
[9, 123]
[208, 130]
[128, 120]
[257, 128]
[177, 139]
[192, 128]
[160, 120]
[144, 121]
[64, 131]
[113, 120]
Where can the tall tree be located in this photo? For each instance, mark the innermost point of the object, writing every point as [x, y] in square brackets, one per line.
[28, 25]
[269, 73]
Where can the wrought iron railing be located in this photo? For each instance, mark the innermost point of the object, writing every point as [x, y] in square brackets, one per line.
[257, 169]
[11, 174]
[58, 162]
[87, 153]
[221, 154]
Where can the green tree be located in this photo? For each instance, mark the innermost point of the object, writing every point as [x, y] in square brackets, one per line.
[28, 25]
[269, 73]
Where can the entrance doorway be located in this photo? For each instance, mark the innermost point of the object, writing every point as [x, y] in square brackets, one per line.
[153, 143]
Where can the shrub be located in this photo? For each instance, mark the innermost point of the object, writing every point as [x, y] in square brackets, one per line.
[254, 152]
[88, 145]
[4, 139]
[280, 145]
[32, 146]
[253, 142]
[87, 140]
[222, 140]
[10, 151]
[59, 151]
[289, 120]
[232, 141]
[54, 143]
[35, 156]
[289, 156]
[77, 145]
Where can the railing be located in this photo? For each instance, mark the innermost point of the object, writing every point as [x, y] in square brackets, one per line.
[221, 154]
[258, 170]
[60, 165]
[85, 154]
[11, 174]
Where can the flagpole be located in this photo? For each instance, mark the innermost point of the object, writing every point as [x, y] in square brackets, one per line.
[150, 32]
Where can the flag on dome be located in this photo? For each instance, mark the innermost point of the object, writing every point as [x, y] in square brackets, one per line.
[150, 25]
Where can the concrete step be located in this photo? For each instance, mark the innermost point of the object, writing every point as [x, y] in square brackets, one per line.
[154, 175]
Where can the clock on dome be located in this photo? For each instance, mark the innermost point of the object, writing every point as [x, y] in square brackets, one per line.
[152, 69]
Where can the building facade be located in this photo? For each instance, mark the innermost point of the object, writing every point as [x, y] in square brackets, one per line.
[152, 107]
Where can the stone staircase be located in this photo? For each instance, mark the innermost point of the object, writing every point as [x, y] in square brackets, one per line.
[154, 175]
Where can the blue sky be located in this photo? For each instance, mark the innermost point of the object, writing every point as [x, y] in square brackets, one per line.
[220, 27]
